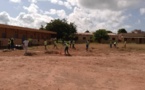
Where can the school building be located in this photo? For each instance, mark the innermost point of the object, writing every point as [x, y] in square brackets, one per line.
[138, 38]
[82, 37]
[21, 33]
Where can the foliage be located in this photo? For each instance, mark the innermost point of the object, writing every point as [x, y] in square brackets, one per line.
[122, 30]
[100, 35]
[64, 30]
[87, 31]
[42, 27]
[109, 31]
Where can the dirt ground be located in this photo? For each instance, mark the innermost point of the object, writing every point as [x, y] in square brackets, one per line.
[101, 68]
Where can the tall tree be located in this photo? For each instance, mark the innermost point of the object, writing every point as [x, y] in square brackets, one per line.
[42, 27]
[100, 35]
[64, 29]
[122, 30]
[109, 31]
[87, 31]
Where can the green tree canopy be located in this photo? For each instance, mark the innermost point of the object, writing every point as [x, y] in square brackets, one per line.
[64, 30]
[87, 31]
[122, 30]
[108, 31]
[100, 35]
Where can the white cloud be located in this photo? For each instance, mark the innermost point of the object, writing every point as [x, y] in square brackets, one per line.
[142, 11]
[60, 13]
[86, 19]
[15, 1]
[33, 8]
[109, 4]
[67, 4]
[33, 1]
[4, 18]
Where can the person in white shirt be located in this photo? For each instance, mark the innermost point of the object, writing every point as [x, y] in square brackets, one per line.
[45, 44]
[25, 44]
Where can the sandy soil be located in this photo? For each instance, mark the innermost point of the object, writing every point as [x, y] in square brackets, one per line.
[101, 68]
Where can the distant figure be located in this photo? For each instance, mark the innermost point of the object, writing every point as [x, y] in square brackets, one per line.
[9, 43]
[55, 44]
[110, 44]
[66, 49]
[73, 44]
[115, 44]
[124, 44]
[25, 45]
[12, 43]
[45, 44]
[87, 45]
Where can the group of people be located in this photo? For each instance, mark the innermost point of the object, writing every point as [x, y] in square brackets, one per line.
[115, 44]
[11, 44]
[67, 45]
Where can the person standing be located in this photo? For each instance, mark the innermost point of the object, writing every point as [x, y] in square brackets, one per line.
[87, 45]
[66, 49]
[25, 45]
[9, 43]
[73, 44]
[115, 44]
[110, 44]
[124, 44]
[12, 43]
[45, 44]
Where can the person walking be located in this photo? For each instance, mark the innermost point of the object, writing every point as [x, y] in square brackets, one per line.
[124, 44]
[12, 43]
[9, 43]
[73, 44]
[115, 44]
[87, 45]
[66, 49]
[25, 45]
[110, 44]
[45, 44]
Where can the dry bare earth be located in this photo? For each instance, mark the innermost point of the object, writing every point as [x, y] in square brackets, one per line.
[101, 68]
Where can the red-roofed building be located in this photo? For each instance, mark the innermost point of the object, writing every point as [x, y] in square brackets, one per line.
[21, 33]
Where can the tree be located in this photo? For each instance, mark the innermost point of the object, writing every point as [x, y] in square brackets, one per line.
[64, 30]
[109, 31]
[42, 27]
[100, 35]
[122, 30]
[87, 31]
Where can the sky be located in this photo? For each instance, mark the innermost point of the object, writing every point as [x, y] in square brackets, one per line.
[85, 14]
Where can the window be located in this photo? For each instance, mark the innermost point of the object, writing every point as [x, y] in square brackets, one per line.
[84, 38]
[133, 39]
[113, 38]
[4, 35]
[125, 39]
[90, 37]
[16, 35]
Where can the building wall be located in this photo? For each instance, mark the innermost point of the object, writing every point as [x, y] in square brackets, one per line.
[83, 38]
[20, 35]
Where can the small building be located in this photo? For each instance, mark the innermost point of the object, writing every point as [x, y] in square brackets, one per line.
[82, 37]
[21, 33]
[113, 36]
[132, 37]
